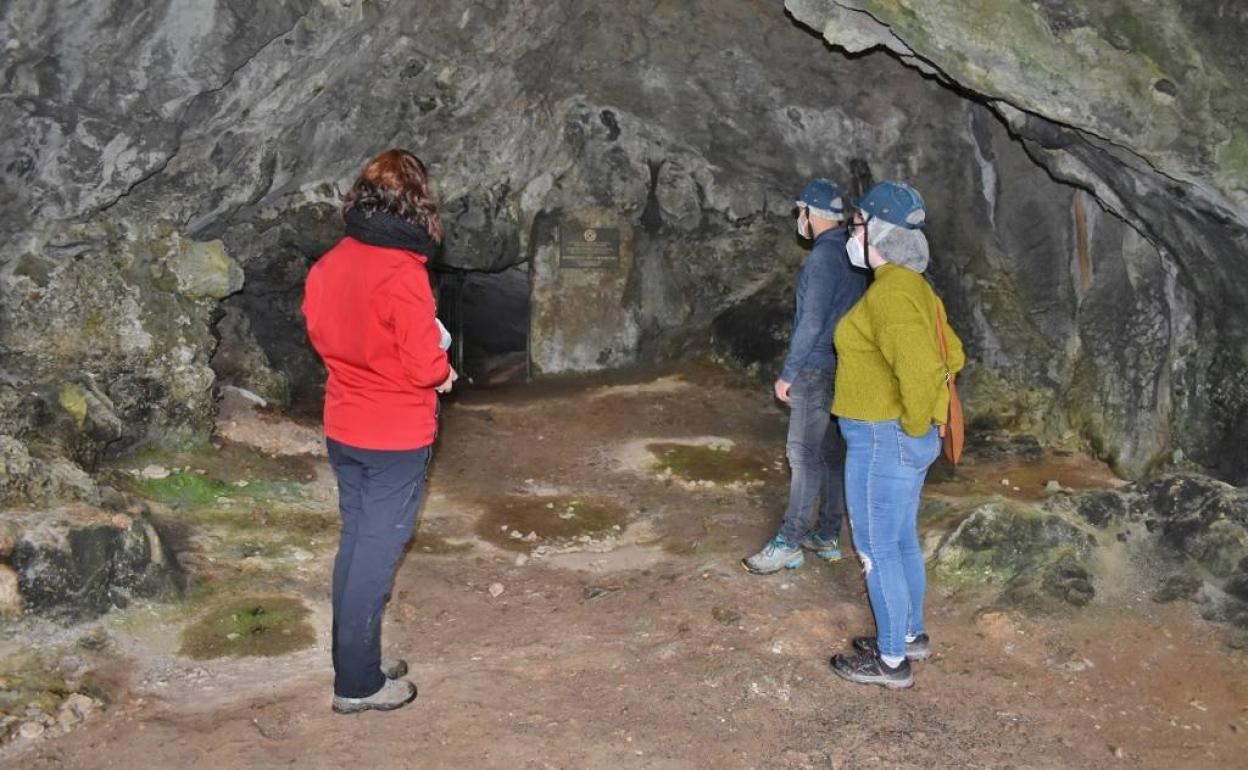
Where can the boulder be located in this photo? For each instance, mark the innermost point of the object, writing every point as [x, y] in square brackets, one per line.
[11, 603]
[1101, 508]
[1201, 518]
[1037, 557]
[1178, 586]
[204, 270]
[79, 561]
[27, 478]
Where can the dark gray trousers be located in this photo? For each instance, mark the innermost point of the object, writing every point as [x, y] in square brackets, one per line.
[378, 494]
[816, 459]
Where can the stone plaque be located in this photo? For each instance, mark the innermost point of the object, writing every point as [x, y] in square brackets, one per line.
[589, 247]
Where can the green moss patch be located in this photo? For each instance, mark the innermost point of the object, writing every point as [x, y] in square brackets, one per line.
[200, 490]
[28, 681]
[1233, 158]
[259, 519]
[249, 627]
[714, 464]
[184, 489]
[508, 521]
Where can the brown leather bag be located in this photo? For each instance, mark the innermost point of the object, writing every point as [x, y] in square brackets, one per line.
[953, 432]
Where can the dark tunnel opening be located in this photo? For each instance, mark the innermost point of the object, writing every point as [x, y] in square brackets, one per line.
[487, 314]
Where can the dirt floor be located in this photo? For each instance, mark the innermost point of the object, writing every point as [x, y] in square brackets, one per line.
[574, 600]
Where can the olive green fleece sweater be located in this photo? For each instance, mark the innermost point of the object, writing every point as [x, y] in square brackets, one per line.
[888, 355]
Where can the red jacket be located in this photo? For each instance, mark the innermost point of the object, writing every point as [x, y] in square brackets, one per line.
[371, 317]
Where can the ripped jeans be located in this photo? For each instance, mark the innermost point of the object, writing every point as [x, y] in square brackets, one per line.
[884, 473]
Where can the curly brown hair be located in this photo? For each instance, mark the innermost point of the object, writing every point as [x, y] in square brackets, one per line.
[397, 183]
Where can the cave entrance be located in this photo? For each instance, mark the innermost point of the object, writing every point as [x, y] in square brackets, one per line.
[487, 314]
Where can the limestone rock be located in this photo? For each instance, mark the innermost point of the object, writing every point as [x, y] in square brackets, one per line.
[80, 562]
[16, 467]
[1177, 586]
[204, 270]
[154, 472]
[242, 421]
[75, 710]
[27, 478]
[11, 603]
[1201, 518]
[1198, 526]
[1038, 557]
[31, 730]
[1102, 507]
[240, 360]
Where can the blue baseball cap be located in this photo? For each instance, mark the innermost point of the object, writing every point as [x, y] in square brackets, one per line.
[896, 203]
[823, 198]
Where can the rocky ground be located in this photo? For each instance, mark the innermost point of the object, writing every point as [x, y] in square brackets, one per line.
[573, 599]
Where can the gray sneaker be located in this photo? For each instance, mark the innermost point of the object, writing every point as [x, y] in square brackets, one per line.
[394, 668]
[394, 694]
[827, 550]
[775, 556]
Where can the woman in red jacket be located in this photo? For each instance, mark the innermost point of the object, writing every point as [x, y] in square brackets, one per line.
[371, 317]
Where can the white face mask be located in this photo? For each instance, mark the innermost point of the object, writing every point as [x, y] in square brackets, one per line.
[857, 256]
[803, 225]
[877, 231]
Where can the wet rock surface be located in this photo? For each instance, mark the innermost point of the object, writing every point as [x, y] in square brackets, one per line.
[80, 562]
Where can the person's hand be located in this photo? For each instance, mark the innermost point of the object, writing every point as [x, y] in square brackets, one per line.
[445, 387]
[782, 390]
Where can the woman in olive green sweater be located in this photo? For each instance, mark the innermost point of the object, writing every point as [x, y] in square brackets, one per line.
[890, 397]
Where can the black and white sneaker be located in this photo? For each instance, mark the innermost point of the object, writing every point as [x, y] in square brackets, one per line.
[867, 668]
[919, 649]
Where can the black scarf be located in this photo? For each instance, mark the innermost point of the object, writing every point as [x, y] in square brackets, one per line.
[388, 231]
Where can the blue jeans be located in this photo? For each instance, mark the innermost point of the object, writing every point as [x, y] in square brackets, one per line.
[884, 473]
[816, 458]
[378, 494]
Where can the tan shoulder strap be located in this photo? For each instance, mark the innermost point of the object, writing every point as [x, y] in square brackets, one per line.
[940, 335]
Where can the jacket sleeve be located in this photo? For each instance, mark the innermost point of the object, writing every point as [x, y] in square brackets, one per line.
[814, 303]
[847, 290]
[413, 315]
[904, 335]
[310, 307]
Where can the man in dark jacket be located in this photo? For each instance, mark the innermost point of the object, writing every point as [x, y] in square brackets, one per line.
[827, 288]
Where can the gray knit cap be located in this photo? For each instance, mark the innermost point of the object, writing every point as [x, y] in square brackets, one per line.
[898, 245]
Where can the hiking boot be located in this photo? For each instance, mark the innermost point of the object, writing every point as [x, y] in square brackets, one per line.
[919, 649]
[394, 668]
[395, 693]
[775, 556]
[868, 668]
[827, 549]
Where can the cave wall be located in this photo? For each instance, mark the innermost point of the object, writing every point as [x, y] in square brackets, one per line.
[1140, 106]
[163, 151]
